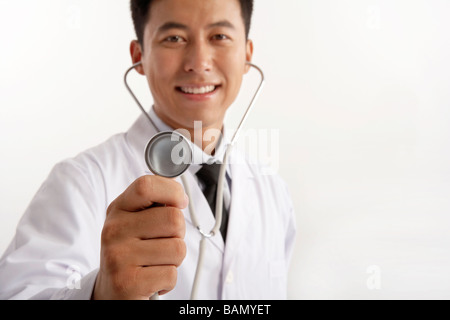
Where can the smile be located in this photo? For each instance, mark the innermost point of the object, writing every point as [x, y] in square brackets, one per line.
[198, 90]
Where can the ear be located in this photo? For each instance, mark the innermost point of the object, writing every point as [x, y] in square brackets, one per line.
[248, 54]
[136, 55]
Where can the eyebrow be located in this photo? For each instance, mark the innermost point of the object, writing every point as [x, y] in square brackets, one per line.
[172, 25]
[222, 23]
[175, 25]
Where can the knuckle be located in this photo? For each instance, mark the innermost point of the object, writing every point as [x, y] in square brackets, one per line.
[121, 282]
[111, 208]
[144, 186]
[111, 257]
[176, 221]
[179, 250]
[179, 190]
[172, 275]
[111, 230]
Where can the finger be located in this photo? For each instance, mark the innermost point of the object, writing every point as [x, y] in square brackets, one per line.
[154, 223]
[161, 222]
[150, 280]
[156, 252]
[148, 190]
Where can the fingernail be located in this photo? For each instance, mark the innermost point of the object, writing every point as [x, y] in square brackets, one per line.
[186, 200]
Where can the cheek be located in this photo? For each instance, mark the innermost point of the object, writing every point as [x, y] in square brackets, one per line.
[160, 74]
[234, 85]
[233, 66]
[234, 76]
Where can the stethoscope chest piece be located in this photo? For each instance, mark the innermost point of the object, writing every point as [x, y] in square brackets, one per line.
[168, 154]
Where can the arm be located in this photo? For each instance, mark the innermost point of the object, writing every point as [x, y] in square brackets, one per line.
[57, 241]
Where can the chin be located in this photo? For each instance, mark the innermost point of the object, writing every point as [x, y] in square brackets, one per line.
[208, 118]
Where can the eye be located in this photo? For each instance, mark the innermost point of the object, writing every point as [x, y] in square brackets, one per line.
[220, 37]
[174, 39]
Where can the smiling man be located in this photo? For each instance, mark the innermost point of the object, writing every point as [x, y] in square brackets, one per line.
[103, 227]
[194, 56]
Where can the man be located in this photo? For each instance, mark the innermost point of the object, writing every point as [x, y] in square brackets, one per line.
[95, 218]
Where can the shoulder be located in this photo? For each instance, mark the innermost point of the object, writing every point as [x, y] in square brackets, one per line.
[94, 168]
[88, 165]
[101, 154]
[100, 157]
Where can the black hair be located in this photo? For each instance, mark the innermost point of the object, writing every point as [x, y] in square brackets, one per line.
[140, 11]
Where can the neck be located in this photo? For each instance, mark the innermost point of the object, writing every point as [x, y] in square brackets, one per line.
[206, 138]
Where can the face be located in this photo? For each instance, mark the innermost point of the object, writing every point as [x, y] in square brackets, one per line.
[194, 58]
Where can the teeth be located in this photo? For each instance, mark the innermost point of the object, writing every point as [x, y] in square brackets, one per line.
[201, 90]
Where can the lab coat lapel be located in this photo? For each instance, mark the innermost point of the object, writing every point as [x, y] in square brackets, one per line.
[241, 210]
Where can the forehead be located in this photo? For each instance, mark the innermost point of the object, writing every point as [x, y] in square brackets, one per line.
[195, 13]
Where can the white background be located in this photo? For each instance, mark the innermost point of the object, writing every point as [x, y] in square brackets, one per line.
[359, 91]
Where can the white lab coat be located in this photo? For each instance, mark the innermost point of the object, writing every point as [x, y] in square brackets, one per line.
[55, 253]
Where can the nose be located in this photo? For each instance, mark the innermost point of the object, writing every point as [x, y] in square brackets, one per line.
[198, 58]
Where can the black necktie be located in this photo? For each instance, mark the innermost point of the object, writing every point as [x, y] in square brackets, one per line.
[209, 175]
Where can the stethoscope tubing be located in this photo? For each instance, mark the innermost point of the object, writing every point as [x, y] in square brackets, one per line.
[221, 180]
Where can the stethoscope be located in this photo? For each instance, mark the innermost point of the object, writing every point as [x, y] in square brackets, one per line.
[163, 161]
